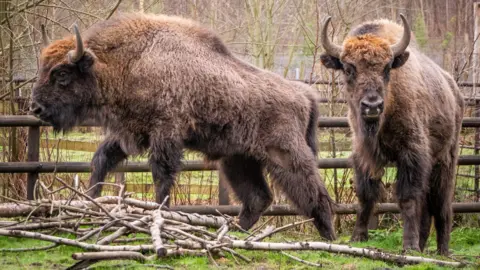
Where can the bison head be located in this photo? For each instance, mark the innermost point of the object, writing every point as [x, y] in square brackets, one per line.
[65, 88]
[366, 61]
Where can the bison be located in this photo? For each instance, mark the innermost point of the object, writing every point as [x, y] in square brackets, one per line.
[160, 84]
[403, 109]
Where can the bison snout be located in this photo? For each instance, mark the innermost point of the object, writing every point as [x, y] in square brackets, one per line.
[36, 108]
[372, 108]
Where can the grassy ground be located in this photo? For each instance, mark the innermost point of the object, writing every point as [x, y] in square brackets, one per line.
[465, 245]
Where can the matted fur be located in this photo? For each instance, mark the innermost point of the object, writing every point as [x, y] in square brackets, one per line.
[418, 130]
[159, 84]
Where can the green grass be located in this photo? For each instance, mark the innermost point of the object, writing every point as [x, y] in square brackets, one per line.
[465, 244]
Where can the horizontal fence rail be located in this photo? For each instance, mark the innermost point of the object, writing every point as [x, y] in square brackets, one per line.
[194, 165]
[21, 79]
[324, 122]
[287, 210]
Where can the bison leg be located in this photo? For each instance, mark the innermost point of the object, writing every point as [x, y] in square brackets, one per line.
[425, 224]
[165, 161]
[412, 174]
[294, 169]
[368, 191]
[108, 155]
[441, 196]
[247, 181]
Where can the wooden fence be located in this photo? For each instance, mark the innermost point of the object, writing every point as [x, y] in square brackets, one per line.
[33, 167]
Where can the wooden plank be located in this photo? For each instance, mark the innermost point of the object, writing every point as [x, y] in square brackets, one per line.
[69, 145]
[179, 188]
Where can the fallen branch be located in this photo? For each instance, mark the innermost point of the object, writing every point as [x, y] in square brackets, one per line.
[343, 249]
[155, 229]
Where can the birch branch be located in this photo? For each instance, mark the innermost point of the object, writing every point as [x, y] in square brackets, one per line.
[342, 249]
[155, 229]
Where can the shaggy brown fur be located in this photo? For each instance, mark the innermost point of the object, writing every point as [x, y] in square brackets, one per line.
[421, 110]
[161, 84]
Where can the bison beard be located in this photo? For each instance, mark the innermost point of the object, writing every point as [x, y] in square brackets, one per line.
[418, 128]
[162, 84]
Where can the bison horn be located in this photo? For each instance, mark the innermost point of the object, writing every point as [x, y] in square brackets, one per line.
[76, 54]
[402, 45]
[45, 40]
[331, 49]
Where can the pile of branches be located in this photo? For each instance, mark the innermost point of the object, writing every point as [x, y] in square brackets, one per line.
[103, 229]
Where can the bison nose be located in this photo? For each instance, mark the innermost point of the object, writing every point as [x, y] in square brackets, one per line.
[36, 108]
[372, 107]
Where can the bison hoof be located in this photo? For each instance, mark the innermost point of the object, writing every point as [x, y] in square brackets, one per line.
[411, 248]
[444, 252]
[359, 236]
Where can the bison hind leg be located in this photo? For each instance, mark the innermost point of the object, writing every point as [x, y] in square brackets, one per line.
[294, 169]
[425, 224]
[441, 196]
[245, 176]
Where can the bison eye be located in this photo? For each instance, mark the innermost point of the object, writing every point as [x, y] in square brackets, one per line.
[62, 77]
[349, 71]
[386, 72]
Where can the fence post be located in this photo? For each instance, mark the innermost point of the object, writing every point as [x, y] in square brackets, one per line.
[476, 152]
[223, 196]
[476, 51]
[33, 154]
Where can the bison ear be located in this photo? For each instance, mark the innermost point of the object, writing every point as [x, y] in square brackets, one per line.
[86, 62]
[330, 62]
[400, 60]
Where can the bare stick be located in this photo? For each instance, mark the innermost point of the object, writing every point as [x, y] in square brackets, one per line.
[233, 252]
[85, 196]
[223, 231]
[69, 242]
[265, 233]
[28, 249]
[108, 239]
[300, 260]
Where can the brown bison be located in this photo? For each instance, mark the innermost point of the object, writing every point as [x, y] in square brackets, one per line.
[161, 84]
[405, 109]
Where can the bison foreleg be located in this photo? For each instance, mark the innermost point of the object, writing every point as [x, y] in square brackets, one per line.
[108, 155]
[368, 191]
[412, 172]
[165, 160]
[295, 171]
[246, 178]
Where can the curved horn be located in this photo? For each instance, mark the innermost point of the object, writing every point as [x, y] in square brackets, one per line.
[45, 40]
[330, 48]
[400, 46]
[76, 54]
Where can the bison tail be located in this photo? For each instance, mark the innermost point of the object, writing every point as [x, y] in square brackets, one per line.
[311, 135]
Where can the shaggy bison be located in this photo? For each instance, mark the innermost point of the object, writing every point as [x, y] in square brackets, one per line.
[161, 84]
[405, 109]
